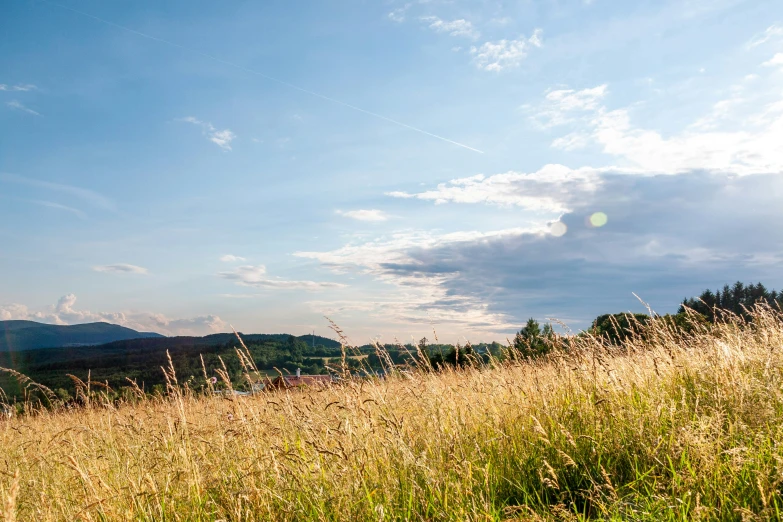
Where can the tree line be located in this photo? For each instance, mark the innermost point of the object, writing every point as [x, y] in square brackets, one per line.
[197, 359]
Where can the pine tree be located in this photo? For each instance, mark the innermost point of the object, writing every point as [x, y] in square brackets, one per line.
[738, 299]
[532, 340]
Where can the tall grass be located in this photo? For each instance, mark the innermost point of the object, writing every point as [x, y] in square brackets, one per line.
[669, 426]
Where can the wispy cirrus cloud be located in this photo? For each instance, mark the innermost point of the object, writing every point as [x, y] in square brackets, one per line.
[121, 268]
[230, 258]
[19, 106]
[772, 32]
[505, 54]
[89, 196]
[364, 215]
[58, 206]
[18, 87]
[571, 141]
[221, 138]
[256, 276]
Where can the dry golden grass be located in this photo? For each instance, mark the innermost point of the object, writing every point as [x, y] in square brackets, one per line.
[675, 427]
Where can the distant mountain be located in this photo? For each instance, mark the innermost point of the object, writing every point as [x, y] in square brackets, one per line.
[141, 359]
[29, 335]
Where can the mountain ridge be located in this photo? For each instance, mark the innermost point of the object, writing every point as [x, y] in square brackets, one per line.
[21, 335]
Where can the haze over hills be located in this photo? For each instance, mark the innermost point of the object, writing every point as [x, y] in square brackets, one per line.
[31, 335]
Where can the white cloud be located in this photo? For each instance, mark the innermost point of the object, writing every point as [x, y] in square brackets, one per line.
[459, 27]
[19, 106]
[255, 276]
[572, 141]
[550, 189]
[221, 138]
[120, 268]
[247, 275]
[365, 215]
[18, 87]
[502, 54]
[771, 32]
[65, 312]
[398, 15]
[755, 150]
[230, 258]
[584, 100]
[726, 138]
[193, 325]
[563, 106]
[13, 311]
[775, 61]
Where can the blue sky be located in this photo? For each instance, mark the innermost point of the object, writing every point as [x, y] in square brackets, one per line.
[180, 166]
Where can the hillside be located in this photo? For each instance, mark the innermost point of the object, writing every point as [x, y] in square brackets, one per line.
[20, 336]
[141, 359]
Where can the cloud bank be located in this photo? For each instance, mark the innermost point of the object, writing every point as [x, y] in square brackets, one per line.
[65, 313]
[675, 214]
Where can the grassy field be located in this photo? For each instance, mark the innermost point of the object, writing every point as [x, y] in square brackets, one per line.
[671, 426]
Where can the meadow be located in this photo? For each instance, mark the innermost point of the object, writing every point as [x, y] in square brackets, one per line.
[671, 424]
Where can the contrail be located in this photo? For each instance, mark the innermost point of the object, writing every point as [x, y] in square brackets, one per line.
[262, 75]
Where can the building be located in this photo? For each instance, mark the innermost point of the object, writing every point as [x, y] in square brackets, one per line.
[285, 382]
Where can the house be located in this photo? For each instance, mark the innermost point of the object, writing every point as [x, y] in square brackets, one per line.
[285, 382]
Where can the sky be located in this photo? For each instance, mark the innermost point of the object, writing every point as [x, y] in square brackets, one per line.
[396, 166]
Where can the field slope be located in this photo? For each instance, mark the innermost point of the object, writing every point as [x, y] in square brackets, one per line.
[671, 426]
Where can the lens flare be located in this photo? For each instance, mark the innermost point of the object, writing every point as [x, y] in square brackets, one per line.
[558, 228]
[598, 219]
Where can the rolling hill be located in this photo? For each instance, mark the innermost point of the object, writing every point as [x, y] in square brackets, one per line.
[141, 359]
[30, 335]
